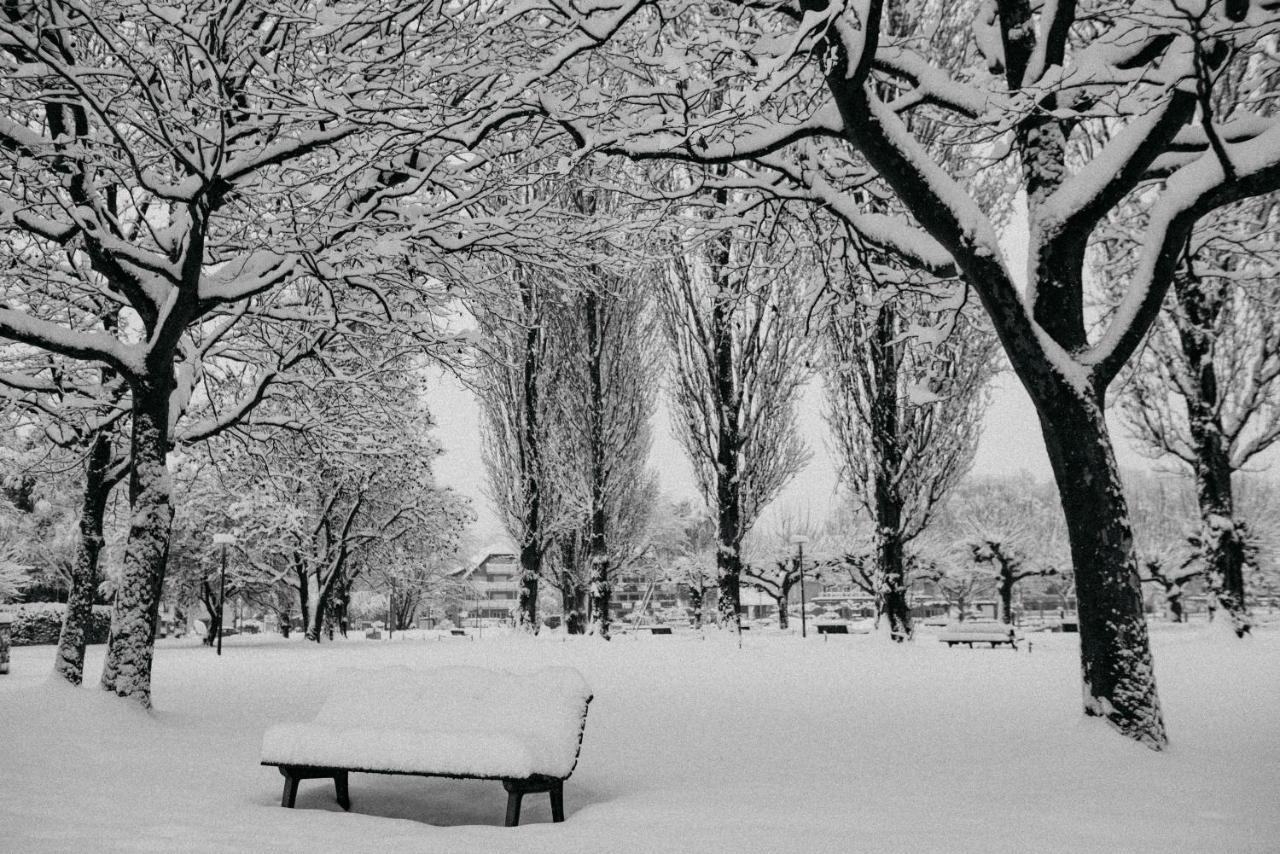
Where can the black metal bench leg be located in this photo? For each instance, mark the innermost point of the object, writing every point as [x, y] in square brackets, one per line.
[340, 787]
[513, 807]
[290, 789]
[557, 801]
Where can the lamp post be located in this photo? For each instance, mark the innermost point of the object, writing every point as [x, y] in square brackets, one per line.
[223, 540]
[799, 540]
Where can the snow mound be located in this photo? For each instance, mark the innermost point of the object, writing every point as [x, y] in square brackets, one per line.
[464, 721]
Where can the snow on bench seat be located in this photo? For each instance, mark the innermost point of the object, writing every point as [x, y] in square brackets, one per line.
[971, 633]
[448, 722]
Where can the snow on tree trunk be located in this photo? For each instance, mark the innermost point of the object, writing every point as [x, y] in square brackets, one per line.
[601, 591]
[527, 595]
[314, 603]
[1119, 681]
[887, 462]
[1201, 306]
[891, 581]
[598, 583]
[783, 617]
[69, 659]
[127, 671]
[729, 584]
[1006, 597]
[304, 599]
[531, 473]
[573, 601]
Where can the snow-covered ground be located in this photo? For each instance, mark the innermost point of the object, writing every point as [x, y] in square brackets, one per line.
[848, 744]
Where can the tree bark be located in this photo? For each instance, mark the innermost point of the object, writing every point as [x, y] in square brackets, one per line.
[131, 649]
[600, 584]
[886, 456]
[530, 468]
[69, 659]
[214, 607]
[1006, 597]
[573, 604]
[304, 598]
[1201, 308]
[1119, 681]
[319, 601]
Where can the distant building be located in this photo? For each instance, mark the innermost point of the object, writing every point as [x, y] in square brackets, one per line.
[493, 585]
[635, 591]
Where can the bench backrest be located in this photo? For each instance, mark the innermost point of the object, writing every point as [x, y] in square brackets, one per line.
[546, 707]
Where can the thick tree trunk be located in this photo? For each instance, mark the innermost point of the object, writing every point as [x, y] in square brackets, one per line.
[318, 599]
[729, 439]
[601, 591]
[599, 584]
[1119, 680]
[783, 616]
[573, 595]
[527, 595]
[729, 586]
[886, 455]
[304, 601]
[69, 660]
[1006, 599]
[530, 457]
[1201, 307]
[573, 603]
[127, 671]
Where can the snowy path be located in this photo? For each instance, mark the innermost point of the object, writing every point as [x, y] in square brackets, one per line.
[691, 746]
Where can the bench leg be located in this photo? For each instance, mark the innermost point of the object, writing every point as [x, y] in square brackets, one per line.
[340, 788]
[290, 793]
[513, 807]
[557, 801]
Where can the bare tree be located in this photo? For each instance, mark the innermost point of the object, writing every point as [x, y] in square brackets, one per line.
[1009, 564]
[733, 309]
[906, 375]
[1205, 389]
[512, 387]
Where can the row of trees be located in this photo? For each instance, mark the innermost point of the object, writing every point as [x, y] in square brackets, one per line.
[924, 127]
[864, 157]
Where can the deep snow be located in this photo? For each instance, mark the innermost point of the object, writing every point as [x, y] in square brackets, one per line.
[784, 745]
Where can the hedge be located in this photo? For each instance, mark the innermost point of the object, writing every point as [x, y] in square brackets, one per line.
[41, 622]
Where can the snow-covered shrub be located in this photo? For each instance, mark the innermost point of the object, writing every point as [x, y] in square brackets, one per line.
[41, 622]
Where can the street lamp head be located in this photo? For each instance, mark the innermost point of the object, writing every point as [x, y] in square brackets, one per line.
[799, 539]
[224, 539]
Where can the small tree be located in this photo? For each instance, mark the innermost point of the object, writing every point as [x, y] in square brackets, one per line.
[1009, 565]
[776, 582]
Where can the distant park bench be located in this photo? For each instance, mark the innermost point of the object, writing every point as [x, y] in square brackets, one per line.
[658, 630]
[460, 722]
[458, 632]
[832, 628]
[971, 633]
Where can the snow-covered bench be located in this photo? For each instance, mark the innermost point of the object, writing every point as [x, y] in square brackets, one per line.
[971, 633]
[462, 722]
